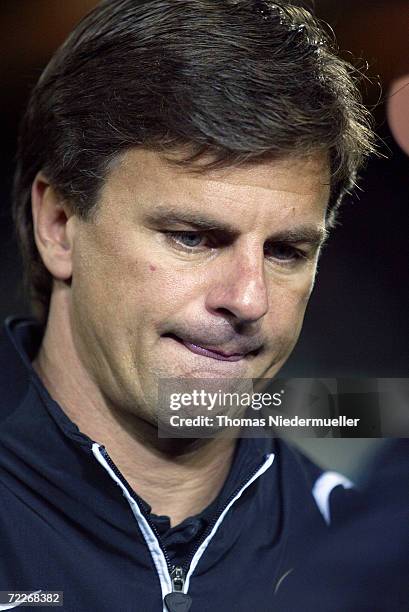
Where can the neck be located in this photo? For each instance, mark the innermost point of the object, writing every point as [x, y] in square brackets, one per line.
[177, 478]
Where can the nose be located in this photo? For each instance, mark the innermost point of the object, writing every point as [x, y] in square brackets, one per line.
[239, 290]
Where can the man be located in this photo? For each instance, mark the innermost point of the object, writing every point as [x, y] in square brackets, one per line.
[179, 167]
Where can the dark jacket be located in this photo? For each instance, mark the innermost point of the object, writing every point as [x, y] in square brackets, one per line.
[70, 522]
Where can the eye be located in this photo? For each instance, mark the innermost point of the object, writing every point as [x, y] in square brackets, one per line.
[284, 252]
[188, 239]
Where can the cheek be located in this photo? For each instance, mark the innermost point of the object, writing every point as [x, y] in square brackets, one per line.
[288, 301]
[170, 285]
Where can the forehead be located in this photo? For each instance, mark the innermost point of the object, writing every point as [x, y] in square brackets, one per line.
[143, 179]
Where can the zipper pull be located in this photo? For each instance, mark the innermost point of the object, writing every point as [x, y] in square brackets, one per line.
[178, 601]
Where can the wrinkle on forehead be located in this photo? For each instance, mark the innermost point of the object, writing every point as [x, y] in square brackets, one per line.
[144, 177]
[143, 162]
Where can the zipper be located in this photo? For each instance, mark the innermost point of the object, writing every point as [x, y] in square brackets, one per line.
[178, 576]
[178, 601]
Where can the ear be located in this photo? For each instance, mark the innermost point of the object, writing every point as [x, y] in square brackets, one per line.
[53, 228]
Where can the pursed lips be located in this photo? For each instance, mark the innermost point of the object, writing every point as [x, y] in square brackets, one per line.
[214, 352]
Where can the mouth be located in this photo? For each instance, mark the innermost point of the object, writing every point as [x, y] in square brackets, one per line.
[212, 353]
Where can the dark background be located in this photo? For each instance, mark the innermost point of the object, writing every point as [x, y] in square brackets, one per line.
[356, 323]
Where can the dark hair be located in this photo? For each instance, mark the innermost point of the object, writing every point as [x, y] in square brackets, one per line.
[230, 82]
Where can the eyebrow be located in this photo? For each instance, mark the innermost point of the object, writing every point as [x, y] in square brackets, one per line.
[310, 234]
[304, 233]
[198, 220]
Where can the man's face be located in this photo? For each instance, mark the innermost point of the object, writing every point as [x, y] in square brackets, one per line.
[184, 275]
